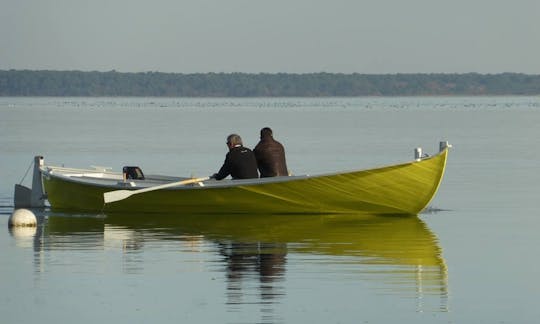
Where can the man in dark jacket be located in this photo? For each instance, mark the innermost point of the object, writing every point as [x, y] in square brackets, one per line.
[239, 162]
[270, 155]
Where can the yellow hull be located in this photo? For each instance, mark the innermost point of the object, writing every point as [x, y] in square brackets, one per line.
[398, 189]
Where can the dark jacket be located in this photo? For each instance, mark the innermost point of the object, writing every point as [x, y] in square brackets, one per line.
[240, 163]
[270, 156]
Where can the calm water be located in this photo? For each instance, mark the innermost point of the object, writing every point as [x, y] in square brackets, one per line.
[473, 258]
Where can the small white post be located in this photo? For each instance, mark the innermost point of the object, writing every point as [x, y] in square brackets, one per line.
[418, 153]
[443, 145]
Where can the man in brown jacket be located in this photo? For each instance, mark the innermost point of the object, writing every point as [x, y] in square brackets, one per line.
[270, 155]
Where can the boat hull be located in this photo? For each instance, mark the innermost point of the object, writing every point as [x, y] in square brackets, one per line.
[399, 189]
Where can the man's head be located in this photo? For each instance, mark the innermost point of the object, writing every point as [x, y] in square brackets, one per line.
[265, 132]
[234, 140]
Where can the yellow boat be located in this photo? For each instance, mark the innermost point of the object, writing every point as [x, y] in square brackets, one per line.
[405, 188]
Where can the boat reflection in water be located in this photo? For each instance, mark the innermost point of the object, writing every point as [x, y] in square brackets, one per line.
[399, 254]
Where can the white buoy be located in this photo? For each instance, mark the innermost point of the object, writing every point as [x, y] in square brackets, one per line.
[22, 217]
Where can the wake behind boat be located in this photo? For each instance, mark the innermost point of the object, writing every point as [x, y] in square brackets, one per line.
[405, 188]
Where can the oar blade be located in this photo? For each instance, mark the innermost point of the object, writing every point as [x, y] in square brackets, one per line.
[116, 195]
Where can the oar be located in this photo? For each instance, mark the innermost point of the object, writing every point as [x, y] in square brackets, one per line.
[116, 195]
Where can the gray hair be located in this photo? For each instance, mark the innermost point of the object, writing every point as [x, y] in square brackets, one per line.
[234, 139]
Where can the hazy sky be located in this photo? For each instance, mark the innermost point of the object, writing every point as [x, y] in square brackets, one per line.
[293, 36]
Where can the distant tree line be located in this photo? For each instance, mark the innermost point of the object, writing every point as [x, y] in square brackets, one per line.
[150, 84]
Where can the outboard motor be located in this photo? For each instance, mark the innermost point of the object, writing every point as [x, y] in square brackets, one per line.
[31, 197]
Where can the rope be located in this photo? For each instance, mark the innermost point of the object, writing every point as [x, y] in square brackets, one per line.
[26, 173]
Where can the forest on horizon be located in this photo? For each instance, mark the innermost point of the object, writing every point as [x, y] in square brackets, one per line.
[159, 84]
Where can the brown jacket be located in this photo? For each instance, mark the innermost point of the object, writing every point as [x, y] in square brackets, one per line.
[270, 156]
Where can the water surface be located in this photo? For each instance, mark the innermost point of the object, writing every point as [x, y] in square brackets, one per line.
[470, 258]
